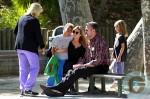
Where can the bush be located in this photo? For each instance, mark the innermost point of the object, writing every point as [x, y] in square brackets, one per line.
[10, 15]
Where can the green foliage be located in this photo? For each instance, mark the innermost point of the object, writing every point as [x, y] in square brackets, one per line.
[9, 16]
[49, 18]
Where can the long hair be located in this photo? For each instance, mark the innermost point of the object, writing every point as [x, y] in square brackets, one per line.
[82, 39]
[123, 27]
[35, 9]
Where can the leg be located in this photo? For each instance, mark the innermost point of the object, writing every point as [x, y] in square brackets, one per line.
[50, 81]
[23, 69]
[60, 69]
[120, 68]
[70, 78]
[101, 69]
[34, 69]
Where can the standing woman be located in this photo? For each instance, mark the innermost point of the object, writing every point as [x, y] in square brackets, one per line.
[28, 39]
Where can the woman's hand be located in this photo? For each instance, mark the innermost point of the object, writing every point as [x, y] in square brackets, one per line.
[43, 51]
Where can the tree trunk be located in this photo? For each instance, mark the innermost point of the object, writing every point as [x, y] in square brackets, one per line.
[75, 11]
[135, 49]
[145, 5]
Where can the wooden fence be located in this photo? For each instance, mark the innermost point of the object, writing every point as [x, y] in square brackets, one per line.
[7, 37]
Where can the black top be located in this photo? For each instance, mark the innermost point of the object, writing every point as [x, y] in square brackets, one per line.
[73, 56]
[117, 47]
[28, 34]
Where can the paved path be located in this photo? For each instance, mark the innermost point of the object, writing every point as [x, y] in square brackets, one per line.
[9, 88]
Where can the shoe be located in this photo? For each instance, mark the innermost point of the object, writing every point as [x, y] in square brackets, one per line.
[114, 85]
[44, 87]
[95, 89]
[22, 93]
[29, 93]
[53, 93]
[72, 91]
[42, 93]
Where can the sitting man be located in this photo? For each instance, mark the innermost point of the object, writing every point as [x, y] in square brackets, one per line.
[95, 61]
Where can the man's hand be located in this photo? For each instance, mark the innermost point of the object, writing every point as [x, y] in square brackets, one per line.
[77, 65]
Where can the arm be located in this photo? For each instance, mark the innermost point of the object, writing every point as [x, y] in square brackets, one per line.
[61, 50]
[121, 52]
[38, 35]
[16, 29]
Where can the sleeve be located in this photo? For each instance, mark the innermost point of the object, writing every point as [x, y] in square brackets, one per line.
[82, 52]
[16, 29]
[122, 39]
[54, 42]
[38, 34]
[82, 59]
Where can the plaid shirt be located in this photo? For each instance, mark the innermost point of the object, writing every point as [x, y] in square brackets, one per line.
[97, 52]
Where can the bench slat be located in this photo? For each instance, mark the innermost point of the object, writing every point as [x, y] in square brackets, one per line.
[108, 76]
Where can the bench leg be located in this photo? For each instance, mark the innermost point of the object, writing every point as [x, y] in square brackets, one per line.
[119, 87]
[76, 85]
[103, 84]
[91, 84]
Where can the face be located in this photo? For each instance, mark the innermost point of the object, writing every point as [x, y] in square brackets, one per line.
[117, 28]
[67, 31]
[76, 33]
[88, 31]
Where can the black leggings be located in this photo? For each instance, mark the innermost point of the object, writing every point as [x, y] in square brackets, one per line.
[75, 74]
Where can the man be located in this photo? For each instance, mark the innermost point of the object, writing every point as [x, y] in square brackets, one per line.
[95, 60]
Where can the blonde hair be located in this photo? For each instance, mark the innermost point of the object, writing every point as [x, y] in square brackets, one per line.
[123, 27]
[70, 25]
[82, 39]
[35, 9]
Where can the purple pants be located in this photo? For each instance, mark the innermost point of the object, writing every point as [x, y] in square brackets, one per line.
[28, 69]
[118, 68]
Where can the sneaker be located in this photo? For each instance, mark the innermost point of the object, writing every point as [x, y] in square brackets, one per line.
[95, 89]
[114, 85]
[30, 93]
[73, 92]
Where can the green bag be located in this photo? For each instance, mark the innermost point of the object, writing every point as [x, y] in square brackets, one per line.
[52, 67]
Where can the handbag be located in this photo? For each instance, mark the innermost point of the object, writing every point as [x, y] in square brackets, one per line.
[52, 67]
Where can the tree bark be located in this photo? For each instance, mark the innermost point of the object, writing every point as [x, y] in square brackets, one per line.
[135, 56]
[145, 5]
[75, 11]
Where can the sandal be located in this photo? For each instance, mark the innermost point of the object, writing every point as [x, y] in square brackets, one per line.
[44, 87]
[53, 93]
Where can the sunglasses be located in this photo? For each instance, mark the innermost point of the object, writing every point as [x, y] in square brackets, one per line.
[74, 32]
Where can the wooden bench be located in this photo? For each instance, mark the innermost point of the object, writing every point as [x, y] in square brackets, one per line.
[118, 77]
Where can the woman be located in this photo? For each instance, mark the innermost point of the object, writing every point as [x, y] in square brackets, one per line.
[28, 39]
[76, 50]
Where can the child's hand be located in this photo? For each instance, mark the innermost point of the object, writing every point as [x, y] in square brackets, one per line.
[61, 50]
[119, 59]
[112, 57]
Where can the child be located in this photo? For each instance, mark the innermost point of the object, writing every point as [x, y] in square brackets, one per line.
[59, 49]
[120, 49]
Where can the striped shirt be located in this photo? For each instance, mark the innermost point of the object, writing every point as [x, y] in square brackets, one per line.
[97, 52]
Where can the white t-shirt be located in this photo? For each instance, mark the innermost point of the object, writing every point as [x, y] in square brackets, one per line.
[59, 42]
